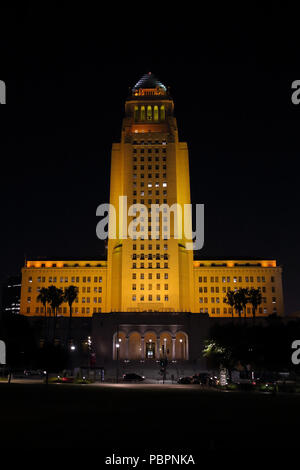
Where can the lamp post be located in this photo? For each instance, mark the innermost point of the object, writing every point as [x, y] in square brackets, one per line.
[181, 342]
[117, 372]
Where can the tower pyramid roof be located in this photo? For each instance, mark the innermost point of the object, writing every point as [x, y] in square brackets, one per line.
[149, 80]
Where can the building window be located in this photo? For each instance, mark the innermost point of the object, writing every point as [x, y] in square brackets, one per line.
[136, 113]
[162, 113]
[149, 113]
[142, 113]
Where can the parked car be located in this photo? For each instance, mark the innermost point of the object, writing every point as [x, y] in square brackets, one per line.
[185, 380]
[133, 378]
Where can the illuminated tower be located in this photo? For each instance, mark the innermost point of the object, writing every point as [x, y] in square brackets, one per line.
[149, 166]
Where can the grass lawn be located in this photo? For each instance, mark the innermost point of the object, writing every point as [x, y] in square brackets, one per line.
[145, 418]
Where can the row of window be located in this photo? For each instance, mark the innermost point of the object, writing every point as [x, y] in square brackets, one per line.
[83, 289]
[142, 266]
[149, 113]
[141, 235]
[150, 298]
[96, 300]
[226, 311]
[150, 201]
[150, 185]
[205, 300]
[226, 289]
[149, 142]
[142, 276]
[149, 247]
[76, 310]
[150, 256]
[62, 279]
[142, 287]
[149, 176]
[149, 167]
[142, 192]
[149, 152]
[235, 279]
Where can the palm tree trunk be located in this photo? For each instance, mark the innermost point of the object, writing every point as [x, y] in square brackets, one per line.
[69, 326]
[54, 323]
[46, 323]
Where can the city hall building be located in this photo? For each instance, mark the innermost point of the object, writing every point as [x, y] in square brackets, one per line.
[150, 297]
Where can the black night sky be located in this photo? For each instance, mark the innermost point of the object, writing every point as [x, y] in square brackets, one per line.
[67, 71]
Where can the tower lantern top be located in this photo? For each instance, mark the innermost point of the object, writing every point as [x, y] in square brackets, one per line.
[149, 85]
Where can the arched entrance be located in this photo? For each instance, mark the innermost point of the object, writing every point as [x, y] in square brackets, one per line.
[150, 345]
[119, 346]
[181, 346]
[166, 345]
[134, 346]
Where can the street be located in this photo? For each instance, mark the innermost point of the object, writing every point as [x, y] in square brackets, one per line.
[145, 416]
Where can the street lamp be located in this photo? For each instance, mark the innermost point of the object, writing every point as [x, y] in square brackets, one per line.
[117, 374]
[181, 342]
[165, 347]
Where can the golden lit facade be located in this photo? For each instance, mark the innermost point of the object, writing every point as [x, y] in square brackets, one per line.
[151, 166]
[89, 276]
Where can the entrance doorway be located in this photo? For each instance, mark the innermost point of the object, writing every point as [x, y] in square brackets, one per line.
[150, 350]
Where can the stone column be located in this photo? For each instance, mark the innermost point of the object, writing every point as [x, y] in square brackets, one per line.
[157, 353]
[173, 348]
[142, 348]
[127, 347]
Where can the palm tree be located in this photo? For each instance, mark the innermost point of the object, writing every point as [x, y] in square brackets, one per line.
[255, 299]
[43, 297]
[239, 299]
[70, 295]
[56, 298]
[244, 295]
[230, 299]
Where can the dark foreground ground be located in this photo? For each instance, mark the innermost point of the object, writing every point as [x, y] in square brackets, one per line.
[138, 419]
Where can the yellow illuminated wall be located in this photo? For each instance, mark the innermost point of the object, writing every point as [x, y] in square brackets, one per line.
[89, 276]
[151, 166]
[212, 279]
